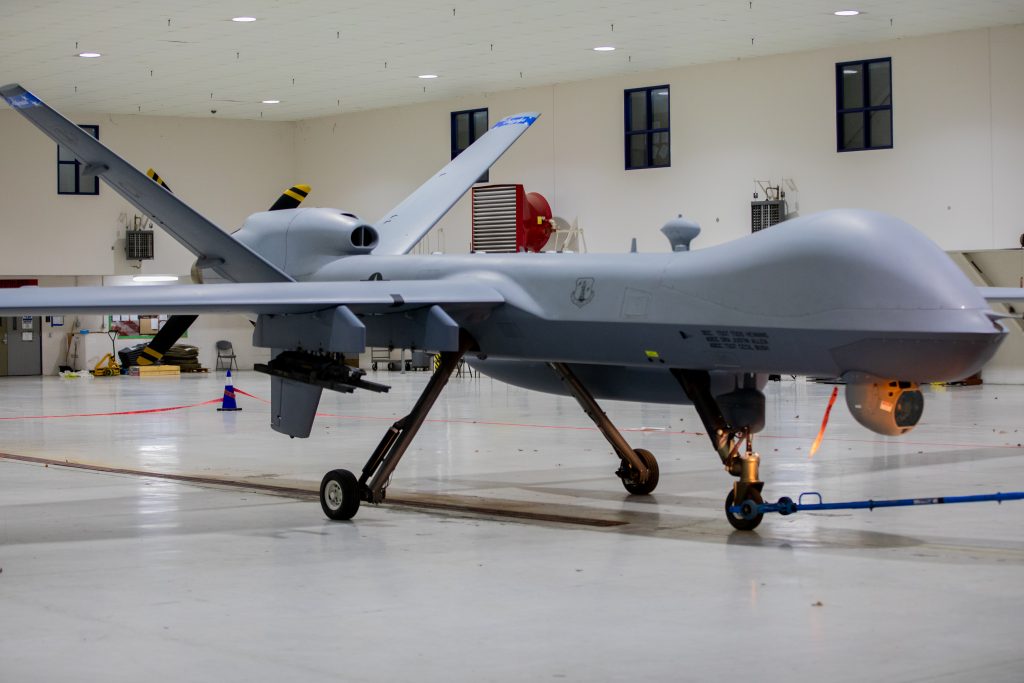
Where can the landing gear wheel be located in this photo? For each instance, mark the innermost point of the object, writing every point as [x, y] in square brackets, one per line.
[339, 495]
[739, 522]
[632, 482]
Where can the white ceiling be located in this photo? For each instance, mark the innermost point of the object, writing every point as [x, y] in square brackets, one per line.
[322, 57]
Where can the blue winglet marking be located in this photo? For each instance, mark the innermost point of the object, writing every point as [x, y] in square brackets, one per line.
[516, 120]
[24, 101]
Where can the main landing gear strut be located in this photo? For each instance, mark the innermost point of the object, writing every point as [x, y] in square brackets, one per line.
[340, 491]
[638, 469]
[727, 441]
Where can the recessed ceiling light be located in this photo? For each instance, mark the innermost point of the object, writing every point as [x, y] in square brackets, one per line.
[155, 278]
[604, 48]
[847, 13]
[89, 55]
[243, 19]
[271, 101]
[428, 76]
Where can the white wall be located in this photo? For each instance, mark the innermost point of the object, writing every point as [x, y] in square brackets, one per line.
[954, 172]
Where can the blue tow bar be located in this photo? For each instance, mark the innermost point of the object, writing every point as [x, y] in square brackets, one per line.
[749, 510]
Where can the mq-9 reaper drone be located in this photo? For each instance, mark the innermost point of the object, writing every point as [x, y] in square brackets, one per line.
[844, 293]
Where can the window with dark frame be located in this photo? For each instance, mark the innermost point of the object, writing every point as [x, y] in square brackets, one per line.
[864, 105]
[69, 170]
[648, 144]
[467, 126]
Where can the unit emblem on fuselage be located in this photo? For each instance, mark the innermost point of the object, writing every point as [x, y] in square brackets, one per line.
[583, 293]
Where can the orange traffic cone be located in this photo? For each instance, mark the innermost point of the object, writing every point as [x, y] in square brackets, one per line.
[229, 395]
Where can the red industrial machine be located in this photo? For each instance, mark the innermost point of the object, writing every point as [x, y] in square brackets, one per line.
[507, 219]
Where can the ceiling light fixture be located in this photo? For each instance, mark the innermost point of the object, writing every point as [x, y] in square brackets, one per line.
[428, 76]
[89, 55]
[243, 19]
[155, 278]
[847, 13]
[604, 48]
[271, 101]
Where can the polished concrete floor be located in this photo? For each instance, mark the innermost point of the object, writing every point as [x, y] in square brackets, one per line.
[113, 576]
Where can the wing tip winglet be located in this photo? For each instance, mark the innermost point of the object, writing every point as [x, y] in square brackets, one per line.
[525, 119]
[18, 97]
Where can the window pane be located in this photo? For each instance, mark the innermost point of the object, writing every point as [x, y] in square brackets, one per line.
[853, 86]
[638, 151]
[638, 111]
[881, 128]
[90, 185]
[67, 174]
[462, 132]
[64, 154]
[659, 108]
[852, 134]
[479, 123]
[879, 84]
[659, 149]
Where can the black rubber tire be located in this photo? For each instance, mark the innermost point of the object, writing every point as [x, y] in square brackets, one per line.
[339, 495]
[634, 486]
[741, 523]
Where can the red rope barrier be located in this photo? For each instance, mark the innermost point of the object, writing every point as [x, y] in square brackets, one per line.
[120, 412]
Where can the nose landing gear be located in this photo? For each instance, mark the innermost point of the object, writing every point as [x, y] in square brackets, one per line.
[747, 491]
[727, 440]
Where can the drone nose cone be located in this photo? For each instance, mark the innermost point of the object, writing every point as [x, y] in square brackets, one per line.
[895, 264]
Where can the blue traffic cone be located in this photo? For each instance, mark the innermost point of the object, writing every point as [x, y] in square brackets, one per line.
[229, 395]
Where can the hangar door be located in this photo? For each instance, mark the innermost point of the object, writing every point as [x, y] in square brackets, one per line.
[20, 346]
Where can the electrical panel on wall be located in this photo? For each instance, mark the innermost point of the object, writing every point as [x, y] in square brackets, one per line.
[138, 238]
[769, 206]
[764, 214]
[138, 245]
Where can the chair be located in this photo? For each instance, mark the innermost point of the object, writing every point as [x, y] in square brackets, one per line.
[225, 356]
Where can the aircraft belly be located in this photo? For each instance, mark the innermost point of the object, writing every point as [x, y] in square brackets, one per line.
[645, 385]
[917, 356]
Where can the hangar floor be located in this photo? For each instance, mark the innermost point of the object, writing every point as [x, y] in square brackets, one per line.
[118, 577]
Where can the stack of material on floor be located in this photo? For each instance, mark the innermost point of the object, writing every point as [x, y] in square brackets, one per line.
[154, 371]
[184, 356]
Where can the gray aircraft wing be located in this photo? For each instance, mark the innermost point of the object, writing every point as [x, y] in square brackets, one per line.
[209, 243]
[406, 224]
[367, 296]
[1002, 293]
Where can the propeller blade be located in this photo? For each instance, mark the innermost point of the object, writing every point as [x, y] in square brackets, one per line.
[170, 333]
[291, 198]
[155, 177]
